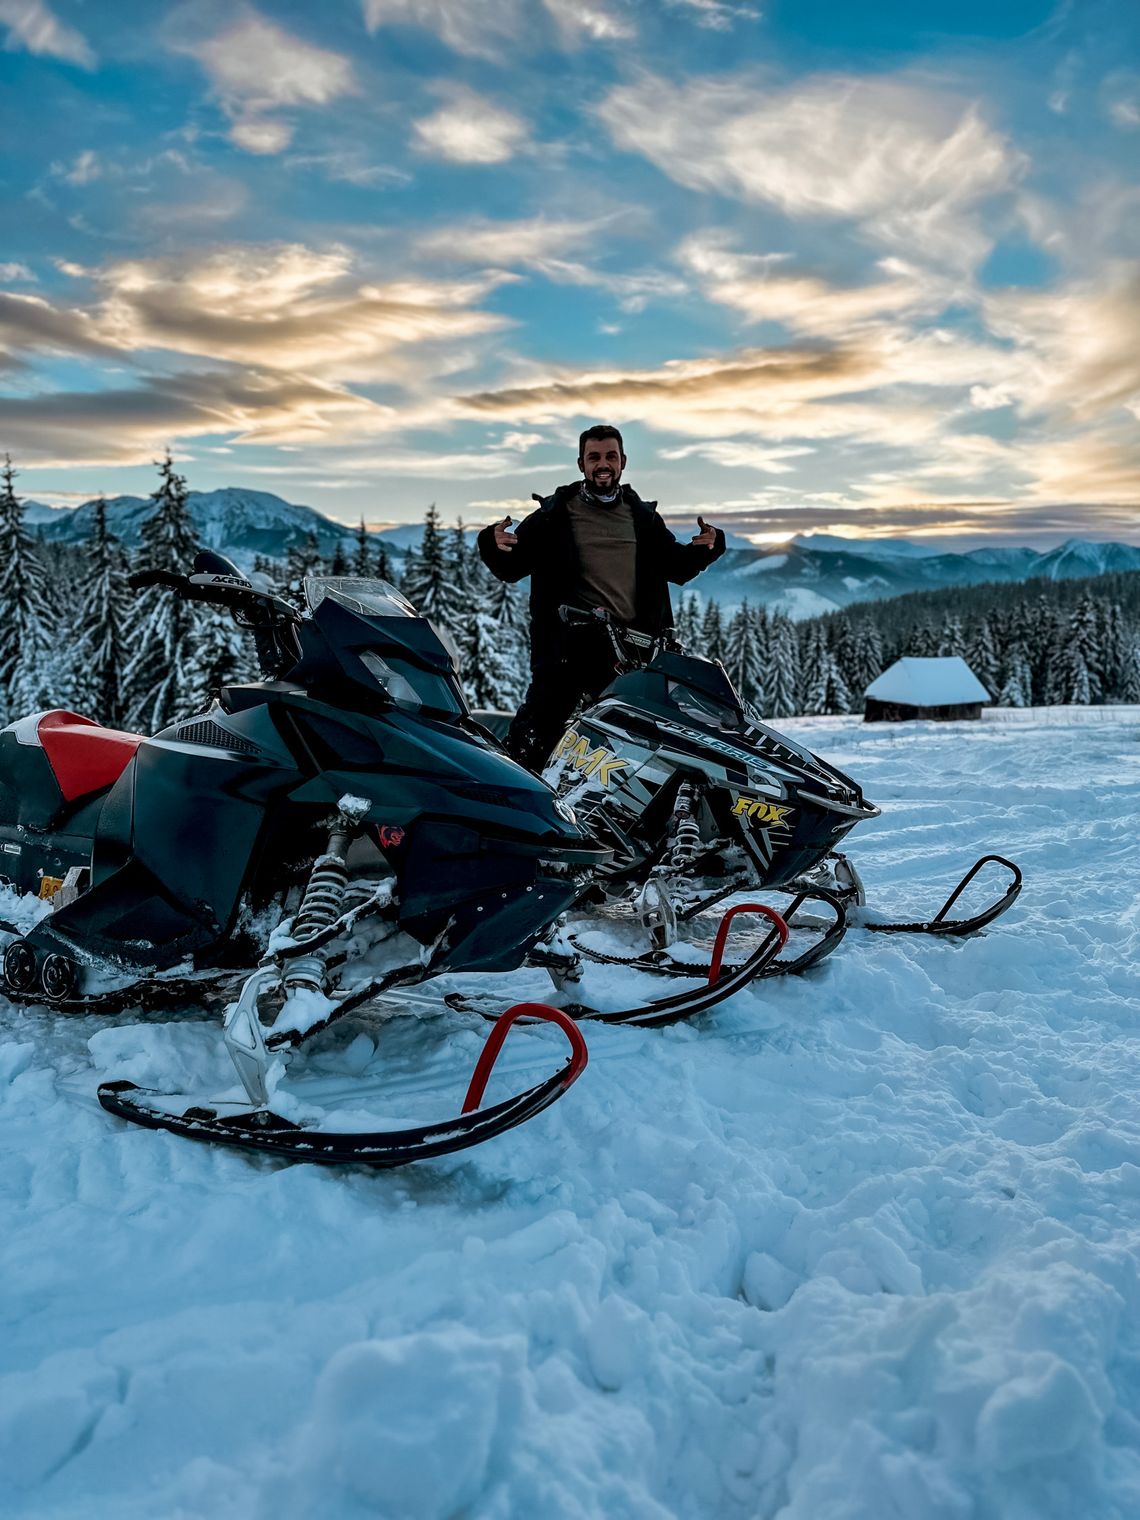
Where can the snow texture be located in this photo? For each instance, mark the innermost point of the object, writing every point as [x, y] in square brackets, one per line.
[941, 681]
[861, 1244]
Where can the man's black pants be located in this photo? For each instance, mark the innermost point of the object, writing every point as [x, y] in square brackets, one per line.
[557, 687]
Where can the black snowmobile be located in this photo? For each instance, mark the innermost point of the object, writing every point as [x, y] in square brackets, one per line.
[344, 821]
[699, 800]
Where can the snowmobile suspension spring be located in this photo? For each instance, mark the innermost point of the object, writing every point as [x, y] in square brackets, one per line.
[687, 838]
[324, 895]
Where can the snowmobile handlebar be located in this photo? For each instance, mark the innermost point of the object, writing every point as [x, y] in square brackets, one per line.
[269, 618]
[631, 647]
[220, 591]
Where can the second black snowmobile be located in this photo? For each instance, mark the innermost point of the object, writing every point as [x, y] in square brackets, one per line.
[698, 799]
[342, 822]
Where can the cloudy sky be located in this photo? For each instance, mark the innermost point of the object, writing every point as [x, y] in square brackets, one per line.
[827, 268]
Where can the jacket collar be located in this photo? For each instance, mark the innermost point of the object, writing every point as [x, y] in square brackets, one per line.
[563, 494]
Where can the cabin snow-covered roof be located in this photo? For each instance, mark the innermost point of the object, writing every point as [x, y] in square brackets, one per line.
[944, 681]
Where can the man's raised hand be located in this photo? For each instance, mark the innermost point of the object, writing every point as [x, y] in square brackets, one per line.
[504, 538]
[706, 538]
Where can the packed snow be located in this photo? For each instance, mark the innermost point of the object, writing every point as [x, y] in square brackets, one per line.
[859, 1244]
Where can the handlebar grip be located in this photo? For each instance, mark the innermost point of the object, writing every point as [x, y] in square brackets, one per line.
[138, 580]
[579, 615]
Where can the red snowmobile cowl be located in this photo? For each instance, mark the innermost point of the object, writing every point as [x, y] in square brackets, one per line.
[84, 757]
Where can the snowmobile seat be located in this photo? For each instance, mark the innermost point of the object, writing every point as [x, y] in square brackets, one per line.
[84, 757]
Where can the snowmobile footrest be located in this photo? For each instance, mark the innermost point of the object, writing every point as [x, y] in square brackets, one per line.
[259, 1129]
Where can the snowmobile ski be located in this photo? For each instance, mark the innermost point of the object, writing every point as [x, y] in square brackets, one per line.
[960, 927]
[721, 981]
[662, 963]
[258, 1128]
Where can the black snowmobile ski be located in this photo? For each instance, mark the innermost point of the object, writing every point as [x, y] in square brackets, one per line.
[721, 981]
[959, 927]
[662, 963]
[260, 1129]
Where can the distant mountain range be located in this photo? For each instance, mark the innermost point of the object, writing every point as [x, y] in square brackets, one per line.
[812, 574]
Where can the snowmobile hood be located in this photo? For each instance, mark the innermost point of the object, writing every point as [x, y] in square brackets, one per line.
[691, 701]
[368, 661]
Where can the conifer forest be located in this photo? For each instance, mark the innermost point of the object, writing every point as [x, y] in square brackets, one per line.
[73, 633]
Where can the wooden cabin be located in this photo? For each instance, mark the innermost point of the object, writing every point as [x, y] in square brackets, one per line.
[941, 688]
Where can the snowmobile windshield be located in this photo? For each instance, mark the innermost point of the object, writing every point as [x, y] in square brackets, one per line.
[374, 598]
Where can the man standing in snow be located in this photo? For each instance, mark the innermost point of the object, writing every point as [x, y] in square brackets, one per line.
[592, 544]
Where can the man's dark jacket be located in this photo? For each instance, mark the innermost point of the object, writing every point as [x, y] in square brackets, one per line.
[546, 552]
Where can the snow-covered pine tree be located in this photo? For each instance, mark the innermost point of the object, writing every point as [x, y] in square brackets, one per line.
[712, 631]
[340, 564]
[162, 627]
[783, 662]
[362, 557]
[1071, 683]
[1084, 634]
[491, 671]
[1115, 647]
[866, 662]
[301, 561]
[841, 642]
[922, 642]
[1130, 675]
[461, 575]
[425, 574]
[742, 656]
[381, 565]
[104, 617]
[221, 655]
[981, 655]
[952, 641]
[1017, 687]
[823, 688]
[26, 620]
[688, 625]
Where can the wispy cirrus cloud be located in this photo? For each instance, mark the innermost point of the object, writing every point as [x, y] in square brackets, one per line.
[580, 21]
[766, 288]
[470, 128]
[257, 69]
[735, 454]
[908, 164]
[496, 28]
[716, 15]
[548, 248]
[32, 27]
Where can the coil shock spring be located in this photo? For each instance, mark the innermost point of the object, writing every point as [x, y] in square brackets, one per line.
[687, 833]
[324, 894]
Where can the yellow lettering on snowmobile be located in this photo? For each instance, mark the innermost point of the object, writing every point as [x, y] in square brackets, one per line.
[600, 762]
[50, 885]
[757, 810]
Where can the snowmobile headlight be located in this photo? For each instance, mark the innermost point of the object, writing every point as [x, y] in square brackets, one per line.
[564, 810]
[398, 687]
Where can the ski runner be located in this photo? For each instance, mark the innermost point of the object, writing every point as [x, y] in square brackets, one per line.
[592, 544]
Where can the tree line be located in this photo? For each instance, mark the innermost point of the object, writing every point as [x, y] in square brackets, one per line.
[73, 633]
[1037, 643]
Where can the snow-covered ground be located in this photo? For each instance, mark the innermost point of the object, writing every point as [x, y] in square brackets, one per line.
[862, 1244]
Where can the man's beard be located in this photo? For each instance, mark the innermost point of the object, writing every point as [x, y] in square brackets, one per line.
[604, 493]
